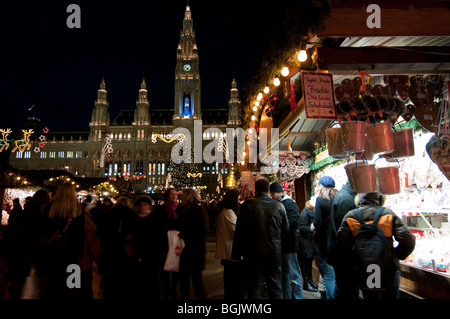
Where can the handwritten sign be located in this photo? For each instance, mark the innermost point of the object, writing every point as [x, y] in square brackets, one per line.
[248, 181]
[318, 94]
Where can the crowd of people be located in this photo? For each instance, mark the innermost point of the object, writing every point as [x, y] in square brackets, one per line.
[266, 245]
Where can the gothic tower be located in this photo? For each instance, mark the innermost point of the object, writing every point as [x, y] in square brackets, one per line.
[234, 106]
[142, 113]
[187, 75]
[100, 114]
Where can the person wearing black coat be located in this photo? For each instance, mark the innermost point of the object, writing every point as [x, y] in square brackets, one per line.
[307, 246]
[291, 280]
[23, 238]
[393, 228]
[261, 229]
[343, 202]
[322, 217]
[149, 239]
[192, 222]
[117, 260]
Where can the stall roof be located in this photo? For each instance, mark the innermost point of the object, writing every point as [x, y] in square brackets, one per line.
[303, 132]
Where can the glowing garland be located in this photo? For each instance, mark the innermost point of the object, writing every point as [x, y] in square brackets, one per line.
[194, 175]
[107, 148]
[168, 138]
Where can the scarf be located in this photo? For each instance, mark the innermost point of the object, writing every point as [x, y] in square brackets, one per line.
[170, 208]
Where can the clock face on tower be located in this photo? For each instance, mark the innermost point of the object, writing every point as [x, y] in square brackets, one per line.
[186, 67]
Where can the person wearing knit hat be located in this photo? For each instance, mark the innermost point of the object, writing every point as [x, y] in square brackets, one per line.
[291, 279]
[276, 188]
[327, 181]
[322, 217]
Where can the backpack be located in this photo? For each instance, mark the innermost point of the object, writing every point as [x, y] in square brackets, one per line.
[371, 248]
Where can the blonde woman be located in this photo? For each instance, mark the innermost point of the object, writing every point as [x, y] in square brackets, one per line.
[68, 245]
[322, 215]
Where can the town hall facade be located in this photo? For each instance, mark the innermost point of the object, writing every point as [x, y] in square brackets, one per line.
[137, 144]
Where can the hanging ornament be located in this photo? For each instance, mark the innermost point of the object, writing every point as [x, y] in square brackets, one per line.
[363, 74]
[273, 100]
[409, 112]
[292, 98]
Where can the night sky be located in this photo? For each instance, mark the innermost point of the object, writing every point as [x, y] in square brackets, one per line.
[59, 69]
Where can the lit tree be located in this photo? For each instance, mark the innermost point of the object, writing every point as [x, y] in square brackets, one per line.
[185, 175]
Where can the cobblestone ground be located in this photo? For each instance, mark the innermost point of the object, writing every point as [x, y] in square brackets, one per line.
[213, 274]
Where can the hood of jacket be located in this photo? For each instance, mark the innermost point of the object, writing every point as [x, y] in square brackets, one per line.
[369, 199]
[284, 197]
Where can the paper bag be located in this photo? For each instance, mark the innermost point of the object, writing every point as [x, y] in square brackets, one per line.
[176, 245]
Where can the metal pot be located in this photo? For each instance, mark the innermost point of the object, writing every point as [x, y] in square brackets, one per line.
[334, 142]
[368, 154]
[353, 136]
[348, 169]
[380, 138]
[403, 143]
[365, 178]
[388, 180]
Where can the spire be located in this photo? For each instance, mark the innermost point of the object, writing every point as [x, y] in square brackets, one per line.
[100, 114]
[234, 104]
[143, 93]
[141, 113]
[102, 93]
[187, 12]
[103, 84]
[143, 85]
[187, 47]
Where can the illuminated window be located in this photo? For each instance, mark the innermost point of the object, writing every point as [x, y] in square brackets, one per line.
[19, 154]
[27, 154]
[52, 154]
[60, 154]
[43, 154]
[78, 154]
[69, 154]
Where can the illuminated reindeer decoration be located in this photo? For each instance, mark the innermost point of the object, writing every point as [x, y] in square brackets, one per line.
[4, 143]
[25, 146]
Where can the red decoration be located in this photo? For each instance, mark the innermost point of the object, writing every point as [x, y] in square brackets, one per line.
[292, 98]
[363, 74]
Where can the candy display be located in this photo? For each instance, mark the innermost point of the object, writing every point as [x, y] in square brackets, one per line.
[431, 253]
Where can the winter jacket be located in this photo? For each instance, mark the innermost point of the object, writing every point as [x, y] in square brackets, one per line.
[389, 222]
[343, 202]
[293, 216]
[260, 230]
[306, 233]
[322, 217]
[193, 224]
